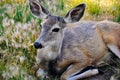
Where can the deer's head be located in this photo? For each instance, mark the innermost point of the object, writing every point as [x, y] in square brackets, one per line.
[53, 26]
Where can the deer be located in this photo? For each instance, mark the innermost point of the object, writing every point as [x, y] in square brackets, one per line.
[72, 47]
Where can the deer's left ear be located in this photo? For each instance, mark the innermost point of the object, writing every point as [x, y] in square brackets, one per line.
[75, 14]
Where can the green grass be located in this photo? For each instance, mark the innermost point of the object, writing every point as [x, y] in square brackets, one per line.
[19, 29]
[97, 9]
[1, 29]
[94, 9]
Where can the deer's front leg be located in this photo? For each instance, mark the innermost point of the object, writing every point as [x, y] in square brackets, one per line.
[78, 71]
[56, 67]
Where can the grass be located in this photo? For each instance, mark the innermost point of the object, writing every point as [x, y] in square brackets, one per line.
[98, 9]
[19, 29]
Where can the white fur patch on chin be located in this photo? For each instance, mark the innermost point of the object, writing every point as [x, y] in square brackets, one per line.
[87, 73]
[50, 54]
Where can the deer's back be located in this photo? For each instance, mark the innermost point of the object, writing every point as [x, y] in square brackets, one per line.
[110, 31]
[82, 38]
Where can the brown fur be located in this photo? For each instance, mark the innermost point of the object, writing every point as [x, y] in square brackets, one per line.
[110, 31]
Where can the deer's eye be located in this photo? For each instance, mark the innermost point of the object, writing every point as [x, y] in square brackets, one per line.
[55, 29]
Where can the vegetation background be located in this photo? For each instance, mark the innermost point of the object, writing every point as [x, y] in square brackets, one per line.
[19, 29]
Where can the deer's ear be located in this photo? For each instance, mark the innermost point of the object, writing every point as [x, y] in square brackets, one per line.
[37, 9]
[75, 14]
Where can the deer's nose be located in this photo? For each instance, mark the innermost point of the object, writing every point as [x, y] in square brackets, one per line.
[38, 45]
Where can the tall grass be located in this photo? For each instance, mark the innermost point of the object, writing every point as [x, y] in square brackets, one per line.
[98, 9]
[56, 7]
[19, 29]
[2, 2]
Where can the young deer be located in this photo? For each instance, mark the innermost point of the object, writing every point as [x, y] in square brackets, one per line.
[70, 45]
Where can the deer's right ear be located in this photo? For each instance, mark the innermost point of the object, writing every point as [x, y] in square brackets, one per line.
[38, 10]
